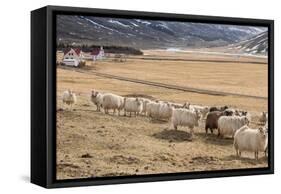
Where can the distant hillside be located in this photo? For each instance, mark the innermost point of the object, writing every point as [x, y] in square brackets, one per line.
[148, 33]
[255, 45]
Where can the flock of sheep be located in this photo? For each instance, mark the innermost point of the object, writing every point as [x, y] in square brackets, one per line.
[228, 121]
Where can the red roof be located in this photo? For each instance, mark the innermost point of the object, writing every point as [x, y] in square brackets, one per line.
[77, 51]
[95, 51]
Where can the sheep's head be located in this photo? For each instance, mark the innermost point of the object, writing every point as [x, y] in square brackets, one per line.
[70, 92]
[94, 93]
[236, 113]
[263, 132]
[197, 117]
[186, 105]
[246, 120]
[228, 112]
[225, 107]
[139, 101]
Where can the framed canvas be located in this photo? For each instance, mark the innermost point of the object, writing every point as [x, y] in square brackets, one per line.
[126, 96]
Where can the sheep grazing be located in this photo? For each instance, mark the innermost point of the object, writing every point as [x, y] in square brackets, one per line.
[212, 120]
[159, 110]
[152, 109]
[97, 99]
[229, 112]
[252, 140]
[176, 105]
[133, 105]
[227, 125]
[69, 98]
[214, 108]
[186, 105]
[240, 112]
[184, 117]
[203, 110]
[263, 117]
[145, 101]
[112, 101]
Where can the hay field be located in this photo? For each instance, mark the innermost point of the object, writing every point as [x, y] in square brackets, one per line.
[92, 144]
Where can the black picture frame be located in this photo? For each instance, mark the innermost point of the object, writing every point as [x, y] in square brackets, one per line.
[43, 96]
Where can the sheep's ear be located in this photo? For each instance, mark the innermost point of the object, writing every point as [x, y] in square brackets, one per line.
[261, 129]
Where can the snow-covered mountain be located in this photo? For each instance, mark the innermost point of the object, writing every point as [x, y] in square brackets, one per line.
[148, 33]
[255, 45]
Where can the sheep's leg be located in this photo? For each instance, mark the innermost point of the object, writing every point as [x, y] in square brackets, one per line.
[191, 130]
[237, 152]
[212, 131]
[125, 113]
[130, 114]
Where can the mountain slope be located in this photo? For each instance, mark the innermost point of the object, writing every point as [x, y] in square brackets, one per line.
[148, 33]
[255, 45]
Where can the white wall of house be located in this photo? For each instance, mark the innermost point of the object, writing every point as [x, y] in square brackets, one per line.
[71, 62]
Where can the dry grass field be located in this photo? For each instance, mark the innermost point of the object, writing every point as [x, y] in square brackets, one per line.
[92, 144]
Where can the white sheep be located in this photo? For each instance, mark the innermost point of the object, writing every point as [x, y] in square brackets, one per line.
[97, 99]
[112, 101]
[145, 101]
[152, 109]
[133, 105]
[203, 110]
[159, 110]
[165, 111]
[184, 117]
[227, 125]
[263, 117]
[69, 98]
[252, 140]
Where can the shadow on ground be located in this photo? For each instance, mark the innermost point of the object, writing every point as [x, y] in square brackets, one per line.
[214, 139]
[173, 135]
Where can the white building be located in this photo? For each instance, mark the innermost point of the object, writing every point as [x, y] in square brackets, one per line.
[72, 57]
[97, 54]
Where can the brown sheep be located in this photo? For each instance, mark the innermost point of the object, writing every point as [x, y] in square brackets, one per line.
[212, 119]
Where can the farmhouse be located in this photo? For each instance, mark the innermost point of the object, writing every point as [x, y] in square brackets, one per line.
[72, 57]
[97, 54]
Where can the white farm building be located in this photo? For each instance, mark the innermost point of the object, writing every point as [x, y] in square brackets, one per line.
[72, 57]
[97, 54]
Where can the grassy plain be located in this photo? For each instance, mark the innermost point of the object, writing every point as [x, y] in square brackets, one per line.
[92, 144]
